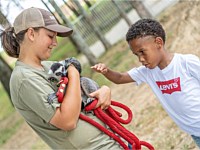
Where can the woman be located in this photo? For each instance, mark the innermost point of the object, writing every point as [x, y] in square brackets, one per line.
[31, 40]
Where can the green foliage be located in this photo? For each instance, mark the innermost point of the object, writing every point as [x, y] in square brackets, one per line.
[9, 59]
[64, 49]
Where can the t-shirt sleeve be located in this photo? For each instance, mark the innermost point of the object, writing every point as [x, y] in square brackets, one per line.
[138, 74]
[193, 65]
[34, 94]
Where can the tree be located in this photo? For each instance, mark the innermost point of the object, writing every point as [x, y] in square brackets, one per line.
[75, 36]
[95, 28]
[75, 44]
[17, 4]
[141, 9]
[70, 5]
[122, 13]
[6, 70]
[3, 20]
[88, 3]
[5, 74]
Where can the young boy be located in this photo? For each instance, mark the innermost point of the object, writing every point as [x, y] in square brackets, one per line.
[174, 78]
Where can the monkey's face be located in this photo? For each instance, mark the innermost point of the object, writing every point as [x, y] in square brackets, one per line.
[57, 70]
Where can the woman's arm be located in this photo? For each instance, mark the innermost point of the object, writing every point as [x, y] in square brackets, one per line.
[66, 116]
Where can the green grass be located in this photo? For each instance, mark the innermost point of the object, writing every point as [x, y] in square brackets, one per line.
[5, 104]
[9, 131]
[7, 110]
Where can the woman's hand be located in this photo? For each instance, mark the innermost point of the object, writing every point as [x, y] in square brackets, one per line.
[104, 97]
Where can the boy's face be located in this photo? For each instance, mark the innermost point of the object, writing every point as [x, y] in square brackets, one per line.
[149, 50]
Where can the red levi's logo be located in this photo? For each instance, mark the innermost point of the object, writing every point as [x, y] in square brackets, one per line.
[169, 86]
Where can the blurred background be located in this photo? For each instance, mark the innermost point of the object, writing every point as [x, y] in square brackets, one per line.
[99, 33]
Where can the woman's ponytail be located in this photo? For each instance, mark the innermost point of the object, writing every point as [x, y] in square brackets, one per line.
[10, 43]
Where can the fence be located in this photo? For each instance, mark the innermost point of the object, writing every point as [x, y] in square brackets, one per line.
[106, 17]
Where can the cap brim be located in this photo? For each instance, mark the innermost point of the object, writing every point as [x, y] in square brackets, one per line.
[62, 31]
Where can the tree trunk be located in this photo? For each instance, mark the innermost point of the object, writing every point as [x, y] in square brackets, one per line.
[72, 8]
[5, 74]
[141, 9]
[5, 69]
[95, 28]
[73, 42]
[3, 20]
[75, 36]
[88, 3]
[122, 13]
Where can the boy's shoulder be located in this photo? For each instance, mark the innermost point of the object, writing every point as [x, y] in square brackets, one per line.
[187, 60]
[186, 56]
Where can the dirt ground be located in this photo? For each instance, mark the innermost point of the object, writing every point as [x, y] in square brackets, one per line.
[150, 122]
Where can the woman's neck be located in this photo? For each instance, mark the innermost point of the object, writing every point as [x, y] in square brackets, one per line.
[33, 62]
[27, 56]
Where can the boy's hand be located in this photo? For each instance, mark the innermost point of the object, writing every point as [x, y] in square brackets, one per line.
[101, 68]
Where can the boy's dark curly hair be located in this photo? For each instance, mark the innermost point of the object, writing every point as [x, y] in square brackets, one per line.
[145, 27]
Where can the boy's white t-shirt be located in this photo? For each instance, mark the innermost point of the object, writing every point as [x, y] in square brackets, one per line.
[178, 89]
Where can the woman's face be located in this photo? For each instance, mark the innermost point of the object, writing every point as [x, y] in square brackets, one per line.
[45, 40]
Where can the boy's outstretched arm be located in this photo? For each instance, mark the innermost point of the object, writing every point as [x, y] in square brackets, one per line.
[116, 77]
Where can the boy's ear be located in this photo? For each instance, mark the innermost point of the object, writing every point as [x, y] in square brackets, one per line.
[30, 34]
[159, 42]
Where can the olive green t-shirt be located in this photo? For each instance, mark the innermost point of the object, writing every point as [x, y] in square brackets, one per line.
[29, 92]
